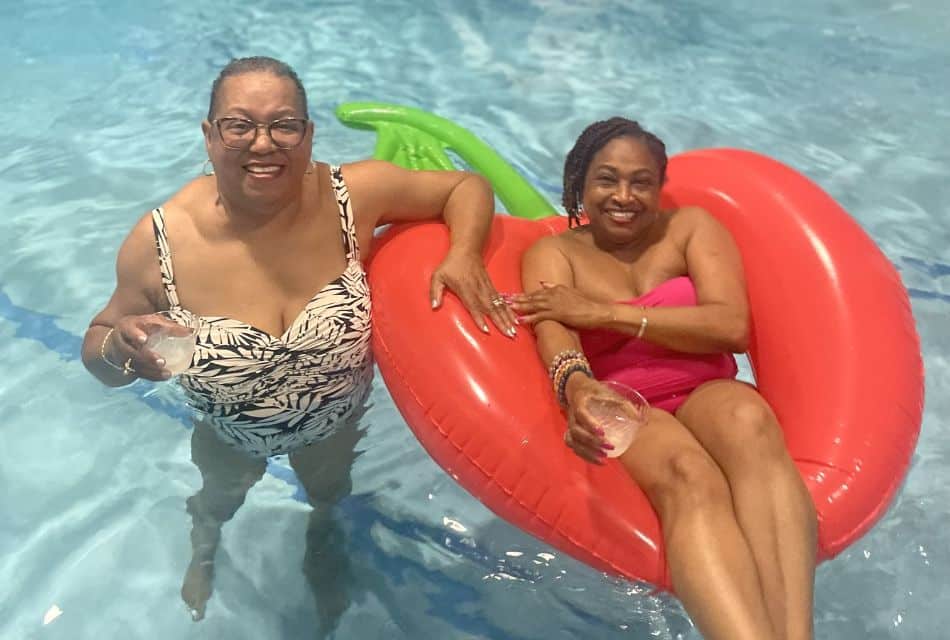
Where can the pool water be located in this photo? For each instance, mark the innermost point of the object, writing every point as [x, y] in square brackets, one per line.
[102, 105]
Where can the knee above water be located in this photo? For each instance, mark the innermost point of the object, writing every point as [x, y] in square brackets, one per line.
[691, 478]
[756, 431]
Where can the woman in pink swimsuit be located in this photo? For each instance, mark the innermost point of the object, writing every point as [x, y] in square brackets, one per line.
[656, 300]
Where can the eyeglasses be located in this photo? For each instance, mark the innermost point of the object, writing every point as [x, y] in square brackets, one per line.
[240, 133]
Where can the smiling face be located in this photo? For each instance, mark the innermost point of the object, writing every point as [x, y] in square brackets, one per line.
[621, 194]
[261, 174]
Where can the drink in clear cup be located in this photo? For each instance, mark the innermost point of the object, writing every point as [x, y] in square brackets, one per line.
[173, 337]
[620, 413]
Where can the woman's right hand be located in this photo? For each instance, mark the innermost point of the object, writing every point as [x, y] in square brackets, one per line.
[560, 303]
[125, 346]
[584, 435]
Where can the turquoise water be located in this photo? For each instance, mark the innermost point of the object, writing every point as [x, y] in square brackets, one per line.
[101, 111]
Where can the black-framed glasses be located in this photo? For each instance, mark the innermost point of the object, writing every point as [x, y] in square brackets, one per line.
[240, 133]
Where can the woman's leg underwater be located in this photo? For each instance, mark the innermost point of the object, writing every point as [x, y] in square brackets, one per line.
[324, 471]
[226, 474]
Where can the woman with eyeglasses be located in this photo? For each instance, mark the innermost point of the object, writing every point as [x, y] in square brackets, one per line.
[265, 255]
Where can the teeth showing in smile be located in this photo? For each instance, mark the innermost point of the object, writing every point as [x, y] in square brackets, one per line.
[262, 169]
[621, 216]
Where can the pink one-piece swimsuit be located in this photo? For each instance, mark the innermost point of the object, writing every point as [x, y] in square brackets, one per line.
[663, 376]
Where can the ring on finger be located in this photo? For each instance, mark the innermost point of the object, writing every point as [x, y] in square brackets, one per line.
[498, 301]
[127, 368]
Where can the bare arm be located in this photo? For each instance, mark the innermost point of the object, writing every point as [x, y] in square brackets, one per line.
[384, 193]
[718, 323]
[720, 320]
[545, 263]
[136, 275]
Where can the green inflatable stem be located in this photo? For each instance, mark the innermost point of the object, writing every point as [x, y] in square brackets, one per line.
[415, 139]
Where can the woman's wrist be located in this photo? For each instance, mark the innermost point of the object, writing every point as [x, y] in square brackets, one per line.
[563, 369]
[105, 351]
[627, 318]
[464, 248]
[575, 384]
[607, 315]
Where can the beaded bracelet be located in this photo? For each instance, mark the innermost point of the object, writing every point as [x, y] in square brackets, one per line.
[565, 374]
[563, 364]
[569, 362]
[561, 357]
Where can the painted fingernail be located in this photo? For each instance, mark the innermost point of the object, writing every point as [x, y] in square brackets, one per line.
[160, 362]
[485, 328]
[511, 332]
[141, 339]
[606, 445]
[602, 454]
[435, 303]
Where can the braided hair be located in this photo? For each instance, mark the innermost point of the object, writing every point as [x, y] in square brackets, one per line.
[257, 64]
[594, 138]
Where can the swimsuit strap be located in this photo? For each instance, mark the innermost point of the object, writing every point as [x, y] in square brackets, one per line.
[347, 221]
[164, 257]
[347, 224]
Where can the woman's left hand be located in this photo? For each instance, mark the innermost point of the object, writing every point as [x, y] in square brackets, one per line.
[563, 304]
[465, 275]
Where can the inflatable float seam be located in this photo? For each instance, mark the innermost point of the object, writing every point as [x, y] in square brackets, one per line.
[834, 547]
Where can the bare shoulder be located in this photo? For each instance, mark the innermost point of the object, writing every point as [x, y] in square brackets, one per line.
[367, 170]
[137, 271]
[691, 216]
[198, 193]
[369, 183]
[685, 222]
[380, 174]
[367, 164]
[547, 247]
[368, 179]
[547, 260]
[138, 248]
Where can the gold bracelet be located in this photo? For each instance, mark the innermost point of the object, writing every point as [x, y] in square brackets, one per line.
[643, 323]
[102, 352]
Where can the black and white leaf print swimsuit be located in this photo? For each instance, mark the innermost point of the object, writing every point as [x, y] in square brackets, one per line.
[269, 395]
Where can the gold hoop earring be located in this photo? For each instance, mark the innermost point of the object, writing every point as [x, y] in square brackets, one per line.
[207, 168]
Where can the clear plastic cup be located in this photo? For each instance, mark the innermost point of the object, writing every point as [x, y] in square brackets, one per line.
[620, 413]
[174, 339]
